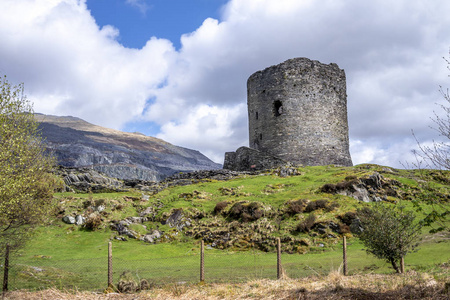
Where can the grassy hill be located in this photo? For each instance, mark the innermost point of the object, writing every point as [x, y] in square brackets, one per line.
[239, 220]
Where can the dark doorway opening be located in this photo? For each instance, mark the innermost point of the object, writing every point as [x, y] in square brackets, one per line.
[277, 108]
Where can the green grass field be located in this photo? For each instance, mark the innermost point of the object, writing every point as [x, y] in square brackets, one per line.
[62, 262]
[70, 257]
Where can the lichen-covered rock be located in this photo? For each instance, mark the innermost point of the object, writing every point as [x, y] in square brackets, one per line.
[178, 220]
[80, 220]
[367, 189]
[69, 220]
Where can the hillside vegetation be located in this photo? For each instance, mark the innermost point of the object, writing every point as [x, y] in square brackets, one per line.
[309, 211]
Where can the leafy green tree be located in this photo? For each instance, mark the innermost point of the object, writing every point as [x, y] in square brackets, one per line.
[388, 232]
[26, 184]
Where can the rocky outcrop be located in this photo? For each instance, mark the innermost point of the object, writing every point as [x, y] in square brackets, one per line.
[182, 179]
[91, 180]
[367, 189]
[124, 155]
[88, 180]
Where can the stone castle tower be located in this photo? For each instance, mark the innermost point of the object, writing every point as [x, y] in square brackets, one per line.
[297, 112]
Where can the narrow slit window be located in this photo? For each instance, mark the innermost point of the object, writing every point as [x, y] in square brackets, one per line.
[256, 115]
[260, 136]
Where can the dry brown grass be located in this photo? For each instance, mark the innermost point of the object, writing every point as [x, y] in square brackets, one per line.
[335, 286]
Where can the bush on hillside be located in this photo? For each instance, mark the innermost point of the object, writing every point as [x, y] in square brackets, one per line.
[93, 221]
[294, 207]
[315, 205]
[220, 207]
[307, 224]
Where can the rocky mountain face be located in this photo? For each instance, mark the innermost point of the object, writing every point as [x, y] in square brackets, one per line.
[124, 155]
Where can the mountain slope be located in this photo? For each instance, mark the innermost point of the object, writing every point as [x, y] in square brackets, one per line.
[124, 155]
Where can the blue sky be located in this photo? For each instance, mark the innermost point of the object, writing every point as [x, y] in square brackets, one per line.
[177, 69]
[138, 21]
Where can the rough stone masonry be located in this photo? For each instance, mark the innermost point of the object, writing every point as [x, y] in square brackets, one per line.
[297, 112]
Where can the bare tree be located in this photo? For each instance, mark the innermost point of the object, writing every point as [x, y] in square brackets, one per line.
[438, 155]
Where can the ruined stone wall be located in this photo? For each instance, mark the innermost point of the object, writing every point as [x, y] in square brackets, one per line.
[297, 110]
[245, 159]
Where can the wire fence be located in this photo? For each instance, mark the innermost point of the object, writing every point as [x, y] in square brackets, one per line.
[96, 274]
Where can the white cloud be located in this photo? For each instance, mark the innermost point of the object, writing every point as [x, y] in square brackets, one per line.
[391, 52]
[70, 66]
[211, 128]
[142, 5]
[397, 154]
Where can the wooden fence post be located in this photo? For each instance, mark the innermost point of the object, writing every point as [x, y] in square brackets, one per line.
[402, 265]
[279, 269]
[6, 270]
[110, 267]
[344, 254]
[202, 262]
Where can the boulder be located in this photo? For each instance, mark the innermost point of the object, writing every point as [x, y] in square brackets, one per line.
[99, 208]
[69, 220]
[151, 238]
[135, 220]
[147, 238]
[156, 234]
[80, 220]
[148, 211]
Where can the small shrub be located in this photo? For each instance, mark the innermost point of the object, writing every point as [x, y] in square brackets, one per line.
[126, 283]
[246, 217]
[347, 218]
[220, 207]
[328, 188]
[315, 205]
[186, 196]
[144, 285]
[389, 232]
[322, 203]
[346, 185]
[87, 204]
[246, 212]
[344, 228]
[391, 192]
[93, 221]
[332, 206]
[310, 207]
[295, 207]
[307, 224]
[193, 213]
[99, 202]
[236, 210]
